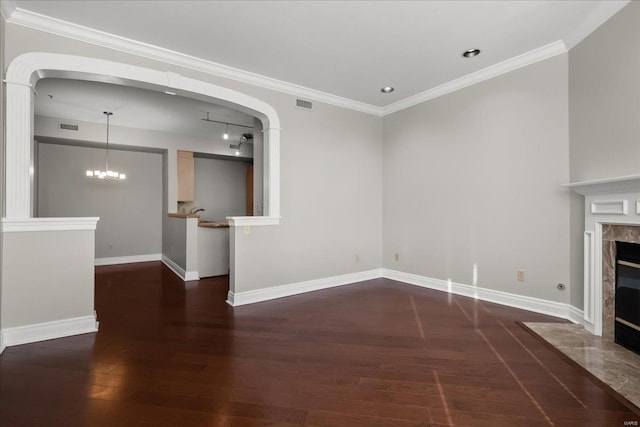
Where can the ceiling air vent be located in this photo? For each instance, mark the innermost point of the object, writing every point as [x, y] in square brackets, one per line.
[67, 126]
[307, 105]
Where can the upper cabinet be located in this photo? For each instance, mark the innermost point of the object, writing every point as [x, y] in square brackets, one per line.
[186, 176]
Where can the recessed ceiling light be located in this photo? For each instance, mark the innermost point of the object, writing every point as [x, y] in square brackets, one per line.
[471, 53]
[387, 89]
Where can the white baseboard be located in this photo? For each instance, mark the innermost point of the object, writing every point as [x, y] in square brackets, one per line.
[537, 305]
[180, 272]
[127, 259]
[250, 297]
[576, 315]
[49, 330]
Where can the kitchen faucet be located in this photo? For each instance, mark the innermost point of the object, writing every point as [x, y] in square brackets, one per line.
[192, 211]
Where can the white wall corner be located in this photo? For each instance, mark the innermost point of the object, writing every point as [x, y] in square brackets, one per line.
[2, 345]
[7, 7]
[179, 271]
[602, 13]
[576, 315]
[249, 297]
[191, 275]
[231, 298]
[536, 305]
[49, 330]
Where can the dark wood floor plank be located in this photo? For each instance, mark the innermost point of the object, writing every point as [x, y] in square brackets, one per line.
[376, 353]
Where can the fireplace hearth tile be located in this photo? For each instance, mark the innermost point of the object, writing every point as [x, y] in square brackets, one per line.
[610, 363]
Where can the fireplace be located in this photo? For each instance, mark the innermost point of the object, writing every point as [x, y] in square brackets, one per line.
[611, 215]
[627, 296]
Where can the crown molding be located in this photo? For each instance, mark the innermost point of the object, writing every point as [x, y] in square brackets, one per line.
[528, 58]
[85, 34]
[596, 18]
[7, 7]
[89, 35]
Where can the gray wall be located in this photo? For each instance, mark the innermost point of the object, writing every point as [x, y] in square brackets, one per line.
[147, 139]
[604, 116]
[331, 175]
[63, 260]
[604, 99]
[220, 188]
[174, 240]
[130, 211]
[474, 178]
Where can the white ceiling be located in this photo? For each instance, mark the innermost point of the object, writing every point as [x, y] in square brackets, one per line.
[137, 108]
[345, 48]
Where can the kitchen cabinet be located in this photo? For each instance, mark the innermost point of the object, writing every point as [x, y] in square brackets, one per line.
[186, 176]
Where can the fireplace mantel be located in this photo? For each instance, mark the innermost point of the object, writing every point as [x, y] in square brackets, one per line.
[622, 184]
[613, 201]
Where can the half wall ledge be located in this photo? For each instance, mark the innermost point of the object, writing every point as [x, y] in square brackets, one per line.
[242, 221]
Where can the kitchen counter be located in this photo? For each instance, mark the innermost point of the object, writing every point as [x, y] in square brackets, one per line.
[183, 215]
[213, 224]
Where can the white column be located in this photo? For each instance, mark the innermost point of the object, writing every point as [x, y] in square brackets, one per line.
[271, 193]
[18, 154]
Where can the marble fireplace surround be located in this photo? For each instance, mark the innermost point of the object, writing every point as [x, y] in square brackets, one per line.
[612, 213]
[610, 235]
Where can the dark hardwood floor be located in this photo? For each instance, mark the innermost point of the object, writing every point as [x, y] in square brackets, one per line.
[377, 353]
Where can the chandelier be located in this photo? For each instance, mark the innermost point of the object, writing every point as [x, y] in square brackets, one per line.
[106, 174]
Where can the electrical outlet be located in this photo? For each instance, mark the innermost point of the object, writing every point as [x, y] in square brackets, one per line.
[396, 256]
[520, 275]
[357, 257]
[246, 230]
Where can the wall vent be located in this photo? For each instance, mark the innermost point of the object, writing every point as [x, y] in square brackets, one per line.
[67, 126]
[301, 103]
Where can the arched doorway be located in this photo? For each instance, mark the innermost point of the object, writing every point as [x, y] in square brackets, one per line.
[24, 72]
[27, 281]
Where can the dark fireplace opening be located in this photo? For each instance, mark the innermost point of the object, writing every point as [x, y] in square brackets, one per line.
[627, 299]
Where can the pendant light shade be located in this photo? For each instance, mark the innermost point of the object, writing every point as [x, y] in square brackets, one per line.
[106, 174]
[226, 132]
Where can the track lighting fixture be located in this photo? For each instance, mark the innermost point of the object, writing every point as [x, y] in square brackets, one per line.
[225, 135]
